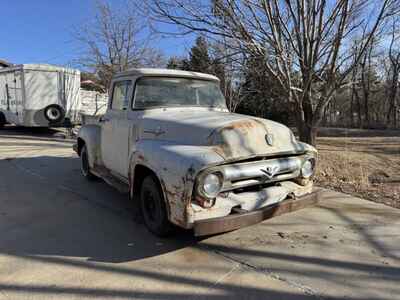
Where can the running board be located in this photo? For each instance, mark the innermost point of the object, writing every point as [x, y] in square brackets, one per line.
[109, 178]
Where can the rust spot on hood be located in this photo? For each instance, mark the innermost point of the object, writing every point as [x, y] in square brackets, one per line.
[240, 125]
[240, 130]
[243, 126]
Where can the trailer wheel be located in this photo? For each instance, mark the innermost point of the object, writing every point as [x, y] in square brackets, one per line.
[153, 207]
[54, 113]
[85, 168]
[2, 120]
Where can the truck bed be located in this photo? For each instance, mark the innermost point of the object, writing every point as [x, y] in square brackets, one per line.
[89, 119]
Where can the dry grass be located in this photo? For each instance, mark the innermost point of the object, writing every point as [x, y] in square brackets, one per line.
[368, 167]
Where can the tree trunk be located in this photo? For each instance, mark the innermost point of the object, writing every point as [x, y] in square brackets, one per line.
[395, 108]
[359, 110]
[352, 110]
[392, 98]
[307, 133]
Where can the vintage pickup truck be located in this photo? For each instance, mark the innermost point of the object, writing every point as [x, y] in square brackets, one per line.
[169, 141]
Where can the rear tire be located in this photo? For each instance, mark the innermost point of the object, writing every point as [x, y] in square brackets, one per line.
[153, 207]
[85, 167]
[2, 120]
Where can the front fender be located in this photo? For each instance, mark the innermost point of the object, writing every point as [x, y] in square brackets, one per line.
[91, 136]
[176, 167]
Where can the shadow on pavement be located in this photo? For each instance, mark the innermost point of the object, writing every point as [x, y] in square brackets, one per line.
[34, 133]
[57, 212]
[57, 218]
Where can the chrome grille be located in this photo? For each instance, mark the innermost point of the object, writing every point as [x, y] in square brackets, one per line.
[258, 172]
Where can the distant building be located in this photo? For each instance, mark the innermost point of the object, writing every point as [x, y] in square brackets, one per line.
[5, 64]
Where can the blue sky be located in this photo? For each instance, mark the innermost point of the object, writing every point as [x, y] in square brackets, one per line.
[41, 31]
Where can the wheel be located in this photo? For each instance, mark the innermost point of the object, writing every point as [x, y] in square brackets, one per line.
[2, 120]
[54, 113]
[153, 207]
[85, 168]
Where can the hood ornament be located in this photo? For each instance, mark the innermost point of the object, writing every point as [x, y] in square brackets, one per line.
[269, 138]
[270, 171]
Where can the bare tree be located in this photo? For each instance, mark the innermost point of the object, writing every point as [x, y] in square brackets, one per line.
[116, 40]
[309, 41]
[394, 73]
[355, 98]
[368, 80]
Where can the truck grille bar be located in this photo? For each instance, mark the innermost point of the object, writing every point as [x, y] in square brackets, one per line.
[252, 173]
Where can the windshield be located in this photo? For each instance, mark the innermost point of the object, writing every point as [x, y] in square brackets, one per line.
[156, 92]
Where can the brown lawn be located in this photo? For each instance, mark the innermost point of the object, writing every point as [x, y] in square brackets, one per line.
[365, 163]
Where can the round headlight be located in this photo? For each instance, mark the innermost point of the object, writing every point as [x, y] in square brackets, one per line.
[307, 170]
[212, 185]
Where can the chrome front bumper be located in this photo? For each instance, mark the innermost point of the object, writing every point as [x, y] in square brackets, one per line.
[249, 201]
[241, 218]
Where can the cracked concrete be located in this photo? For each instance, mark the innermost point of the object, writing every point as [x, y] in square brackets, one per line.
[304, 289]
[345, 248]
[63, 237]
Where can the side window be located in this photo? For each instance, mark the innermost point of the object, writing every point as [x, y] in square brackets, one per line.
[120, 100]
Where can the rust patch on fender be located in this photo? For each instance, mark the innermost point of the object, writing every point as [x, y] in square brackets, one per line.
[222, 150]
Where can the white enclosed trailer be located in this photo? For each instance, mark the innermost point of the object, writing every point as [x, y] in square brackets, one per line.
[38, 95]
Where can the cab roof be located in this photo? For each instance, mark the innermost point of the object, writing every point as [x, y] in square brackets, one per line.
[166, 73]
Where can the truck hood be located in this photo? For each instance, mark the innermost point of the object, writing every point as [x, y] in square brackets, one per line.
[233, 136]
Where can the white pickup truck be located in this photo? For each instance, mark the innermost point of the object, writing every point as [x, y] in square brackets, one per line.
[169, 141]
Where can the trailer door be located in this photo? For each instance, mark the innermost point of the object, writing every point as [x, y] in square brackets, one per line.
[13, 97]
[17, 94]
[69, 86]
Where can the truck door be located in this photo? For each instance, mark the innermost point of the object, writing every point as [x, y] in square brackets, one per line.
[115, 129]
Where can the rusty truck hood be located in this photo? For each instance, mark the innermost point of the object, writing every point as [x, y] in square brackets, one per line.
[233, 136]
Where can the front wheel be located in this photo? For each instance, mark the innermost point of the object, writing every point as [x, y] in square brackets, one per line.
[2, 120]
[153, 207]
[85, 167]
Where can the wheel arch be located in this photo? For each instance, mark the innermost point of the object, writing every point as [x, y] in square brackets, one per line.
[90, 136]
[3, 117]
[175, 167]
[137, 173]
[80, 142]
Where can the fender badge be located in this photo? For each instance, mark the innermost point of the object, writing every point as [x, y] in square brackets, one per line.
[269, 139]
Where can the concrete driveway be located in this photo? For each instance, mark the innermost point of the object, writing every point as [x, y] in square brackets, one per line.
[65, 238]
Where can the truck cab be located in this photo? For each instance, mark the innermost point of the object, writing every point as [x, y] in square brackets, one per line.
[169, 141]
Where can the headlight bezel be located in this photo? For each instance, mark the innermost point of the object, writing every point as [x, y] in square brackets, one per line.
[309, 172]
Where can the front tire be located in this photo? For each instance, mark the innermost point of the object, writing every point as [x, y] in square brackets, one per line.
[2, 120]
[153, 207]
[85, 167]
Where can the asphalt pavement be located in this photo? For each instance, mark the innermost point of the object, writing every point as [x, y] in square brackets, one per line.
[62, 237]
